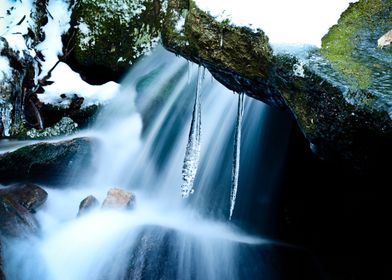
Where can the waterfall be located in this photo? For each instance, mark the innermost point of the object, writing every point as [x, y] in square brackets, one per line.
[192, 153]
[236, 154]
[143, 134]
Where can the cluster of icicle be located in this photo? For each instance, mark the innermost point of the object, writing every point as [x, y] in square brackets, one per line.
[192, 153]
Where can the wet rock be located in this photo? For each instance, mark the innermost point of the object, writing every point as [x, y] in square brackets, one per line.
[47, 160]
[107, 37]
[119, 198]
[87, 204]
[28, 195]
[17, 205]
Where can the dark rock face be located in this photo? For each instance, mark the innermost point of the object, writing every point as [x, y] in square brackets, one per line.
[45, 161]
[87, 204]
[17, 203]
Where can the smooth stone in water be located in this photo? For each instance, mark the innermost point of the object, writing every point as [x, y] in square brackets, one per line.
[119, 199]
[87, 205]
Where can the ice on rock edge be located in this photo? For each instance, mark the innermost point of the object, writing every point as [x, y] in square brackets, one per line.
[192, 153]
[236, 154]
[5, 117]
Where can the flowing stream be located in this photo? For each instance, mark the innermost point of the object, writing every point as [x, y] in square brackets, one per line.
[143, 136]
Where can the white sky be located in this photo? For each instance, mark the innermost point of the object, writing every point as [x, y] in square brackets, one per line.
[284, 21]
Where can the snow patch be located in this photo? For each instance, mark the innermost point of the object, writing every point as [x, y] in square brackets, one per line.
[283, 21]
[69, 83]
[15, 19]
[180, 24]
[298, 69]
[57, 25]
[5, 69]
[87, 39]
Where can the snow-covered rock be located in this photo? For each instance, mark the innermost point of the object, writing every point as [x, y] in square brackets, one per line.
[109, 36]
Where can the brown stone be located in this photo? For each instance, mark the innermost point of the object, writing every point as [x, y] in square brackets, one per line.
[119, 199]
[17, 205]
[87, 205]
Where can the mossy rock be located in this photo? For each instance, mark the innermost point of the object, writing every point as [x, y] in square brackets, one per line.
[238, 57]
[112, 35]
[351, 45]
[355, 136]
[47, 161]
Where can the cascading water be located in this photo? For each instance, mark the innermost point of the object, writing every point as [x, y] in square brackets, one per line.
[164, 237]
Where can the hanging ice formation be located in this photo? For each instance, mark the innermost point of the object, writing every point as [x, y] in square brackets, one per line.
[192, 153]
[236, 154]
[5, 118]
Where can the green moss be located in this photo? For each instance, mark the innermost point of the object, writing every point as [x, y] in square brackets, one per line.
[209, 42]
[346, 43]
[115, 34]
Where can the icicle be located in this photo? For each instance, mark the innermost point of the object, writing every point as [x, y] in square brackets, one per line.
[221, 40]
[189, 72]
[5, 118]
[37, 115]
[192, 152]
[236, 154]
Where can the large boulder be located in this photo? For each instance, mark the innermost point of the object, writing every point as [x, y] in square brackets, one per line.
[339, 95]
[17, 205]
[109, 36]
[47, 160]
